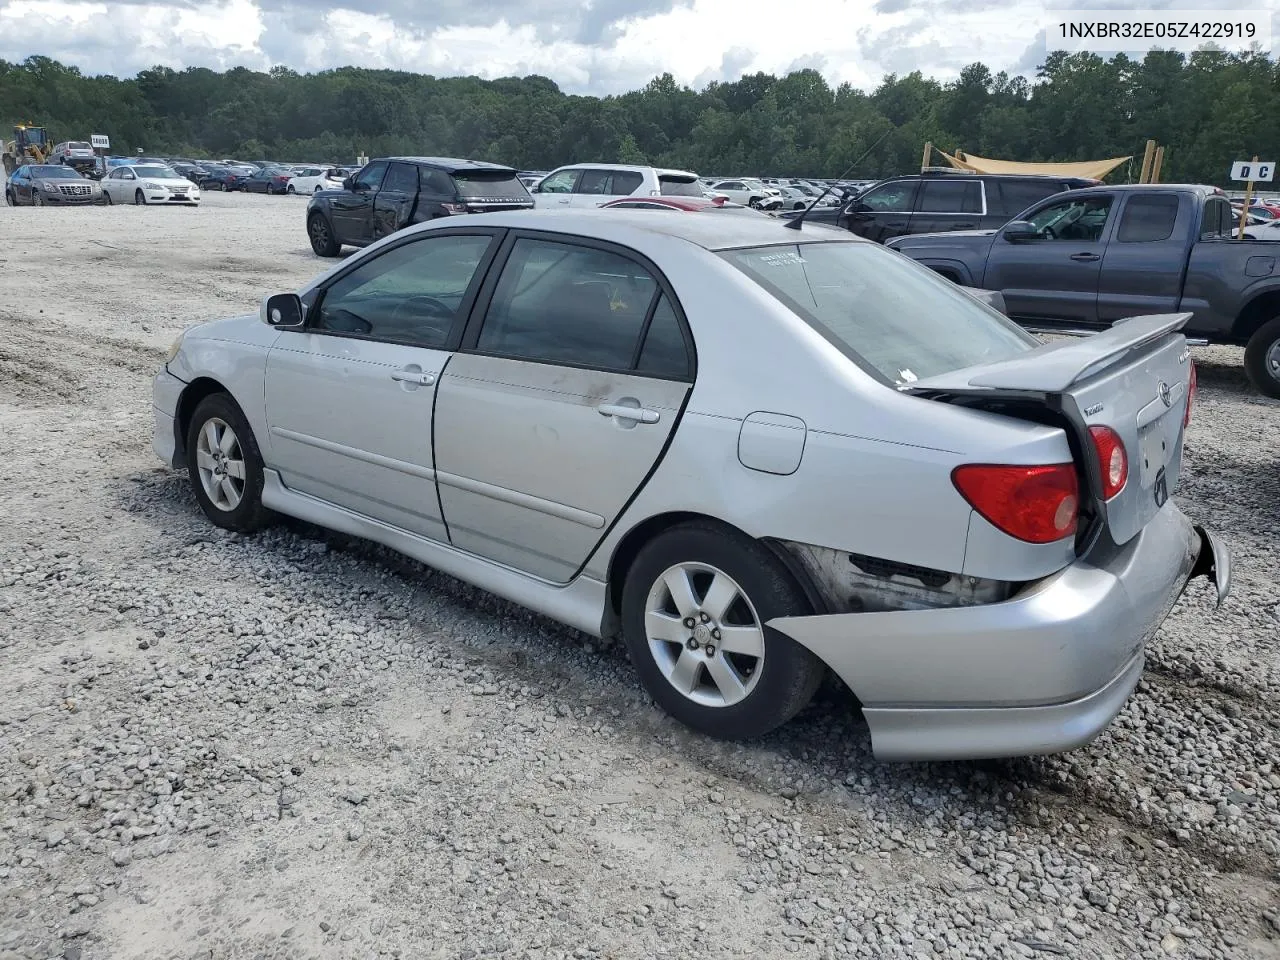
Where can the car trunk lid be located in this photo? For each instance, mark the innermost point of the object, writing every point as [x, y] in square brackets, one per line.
[1133, 378]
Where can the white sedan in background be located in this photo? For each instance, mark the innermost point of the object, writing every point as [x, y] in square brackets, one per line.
[314, 179]
[149, 183]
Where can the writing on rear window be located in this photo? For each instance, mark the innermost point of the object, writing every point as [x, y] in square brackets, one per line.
[781, 259]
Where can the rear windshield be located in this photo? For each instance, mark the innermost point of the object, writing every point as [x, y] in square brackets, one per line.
[78, 145]
[54, 173]
[881, 309]
[673, 185]
[499, 185]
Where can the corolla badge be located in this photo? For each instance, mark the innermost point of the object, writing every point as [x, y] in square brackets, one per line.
[1166, 395]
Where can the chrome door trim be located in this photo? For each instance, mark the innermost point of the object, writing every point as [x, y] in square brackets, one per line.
[377, 459]
[560, 511]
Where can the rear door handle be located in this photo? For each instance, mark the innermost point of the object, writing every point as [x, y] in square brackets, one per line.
[414, 376]
[623, 412]
[1085, 257]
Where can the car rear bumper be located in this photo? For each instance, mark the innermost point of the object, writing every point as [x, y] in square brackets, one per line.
[1042, 672]
[166, 390]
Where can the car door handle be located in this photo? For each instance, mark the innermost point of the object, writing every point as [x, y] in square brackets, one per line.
[414, 376]
[623, 412]
[1085, 257]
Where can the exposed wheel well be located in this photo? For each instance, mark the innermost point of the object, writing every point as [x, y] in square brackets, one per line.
[1257, 312]
[196, 391]
[947, 273]
[629, 548]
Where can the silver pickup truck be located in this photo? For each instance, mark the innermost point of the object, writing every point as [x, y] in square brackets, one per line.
[1078, 262]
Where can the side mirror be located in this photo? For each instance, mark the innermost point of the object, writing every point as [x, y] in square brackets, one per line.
[1017, 231]
[283, 311]
[348, 183]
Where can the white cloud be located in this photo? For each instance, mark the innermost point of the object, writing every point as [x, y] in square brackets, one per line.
[602, 46]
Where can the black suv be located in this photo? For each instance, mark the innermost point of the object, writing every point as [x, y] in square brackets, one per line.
[941, 201]
[390, 194]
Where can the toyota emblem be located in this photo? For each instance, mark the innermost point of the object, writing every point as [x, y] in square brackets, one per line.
[1166, 394]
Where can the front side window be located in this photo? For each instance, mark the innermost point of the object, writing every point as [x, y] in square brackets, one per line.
[1148, 219]
[903, 321]
[891, 198]
[950, 196]
[561, 182]
[370, 178]
[1080, 220]
[559, 303]
[410, 294]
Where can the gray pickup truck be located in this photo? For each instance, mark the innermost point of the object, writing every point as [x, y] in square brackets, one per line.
[1080, 261]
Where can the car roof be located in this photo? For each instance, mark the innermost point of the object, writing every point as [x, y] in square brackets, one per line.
[452, 164]
[638, 168]
[710, 233]
[1196, 188]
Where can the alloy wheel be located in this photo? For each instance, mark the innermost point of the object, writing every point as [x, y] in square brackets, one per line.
[220, 462]
[704, 634]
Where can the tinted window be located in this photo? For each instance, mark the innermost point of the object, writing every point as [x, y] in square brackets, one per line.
[436, 182]
[950, 196]
[561, 182]
[615, 183]
[673, 186]
[1014, 196]
[664, 353]
[496, 185]
[401, 178]
[902, 320]
[625, 182]
[1148, 219]
[565, 304]
[1219, 220]
[410, 294]
[892, 197]
[371, 176]
[1080, 220]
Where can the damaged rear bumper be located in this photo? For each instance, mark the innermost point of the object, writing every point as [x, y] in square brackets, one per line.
[1043, 672]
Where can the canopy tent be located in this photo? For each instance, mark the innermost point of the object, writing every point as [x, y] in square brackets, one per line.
[1093, 169]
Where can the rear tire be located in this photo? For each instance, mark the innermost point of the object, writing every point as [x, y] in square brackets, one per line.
[1262, 359]
[321, 235]
[220, 445]
[731, 694]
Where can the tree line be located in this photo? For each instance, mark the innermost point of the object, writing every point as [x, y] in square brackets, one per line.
[1208, 109]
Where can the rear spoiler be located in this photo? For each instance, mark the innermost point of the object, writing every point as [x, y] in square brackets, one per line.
[1054, 367]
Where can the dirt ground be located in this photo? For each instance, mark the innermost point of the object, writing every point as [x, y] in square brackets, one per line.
[298, 745]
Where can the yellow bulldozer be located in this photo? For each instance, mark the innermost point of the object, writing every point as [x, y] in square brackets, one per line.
[29, 145]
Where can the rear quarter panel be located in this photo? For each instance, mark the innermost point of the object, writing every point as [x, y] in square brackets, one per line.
[1223, 276]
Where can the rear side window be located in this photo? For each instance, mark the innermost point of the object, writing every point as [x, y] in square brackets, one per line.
[886, 312]
[614, 183]
[1148, 219]
[664, 353]
[672, 186]
[401, 178]
[1219, 220]
[950, 196]
[1015, 196]
[436, 182]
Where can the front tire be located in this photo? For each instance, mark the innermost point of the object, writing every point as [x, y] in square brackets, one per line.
[37, 200]
[106, 198]
[1262, 359]
[694, 606]
[9, 199]
[291, 189]
[225, 465]
[139, 198]
[323, 242]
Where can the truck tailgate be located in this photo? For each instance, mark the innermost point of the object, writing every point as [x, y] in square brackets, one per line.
[1133, 378]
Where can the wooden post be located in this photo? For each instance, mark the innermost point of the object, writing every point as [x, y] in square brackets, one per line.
[1244, 208]
[1155, 167]
[928, 152]
[1147, 157]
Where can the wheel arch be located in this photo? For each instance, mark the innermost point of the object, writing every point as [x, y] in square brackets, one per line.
[188, 400]
[1261, 308]
[649, 529]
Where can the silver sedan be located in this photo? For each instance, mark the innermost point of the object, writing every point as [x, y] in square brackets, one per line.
[756, 452]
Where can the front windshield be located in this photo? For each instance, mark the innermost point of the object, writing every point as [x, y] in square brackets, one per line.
[881, 309]
[157, 173]
[54, 173]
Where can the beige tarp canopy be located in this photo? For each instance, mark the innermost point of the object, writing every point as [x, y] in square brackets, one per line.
[1095, 169]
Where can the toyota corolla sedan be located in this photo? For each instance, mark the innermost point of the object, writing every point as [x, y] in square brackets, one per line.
[757, 453]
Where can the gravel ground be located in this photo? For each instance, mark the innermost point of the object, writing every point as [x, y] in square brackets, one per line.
[299, 745]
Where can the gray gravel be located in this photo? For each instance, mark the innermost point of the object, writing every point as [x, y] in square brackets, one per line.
[299, 745]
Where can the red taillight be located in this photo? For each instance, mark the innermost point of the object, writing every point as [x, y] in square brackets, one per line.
[1113, 462]
[1191, 394]
[1035, 504]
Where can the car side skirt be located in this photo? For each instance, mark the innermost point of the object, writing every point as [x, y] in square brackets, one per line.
[579, 604]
